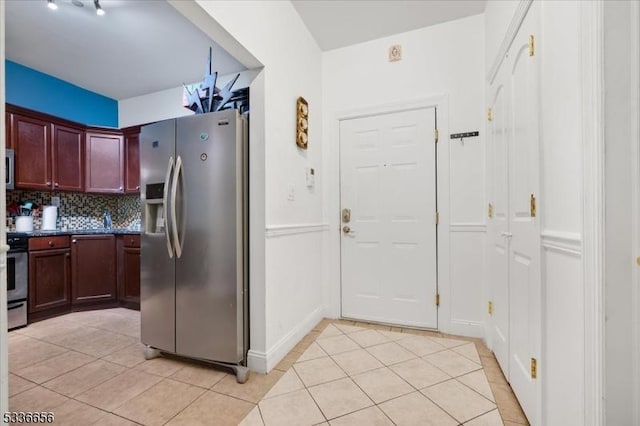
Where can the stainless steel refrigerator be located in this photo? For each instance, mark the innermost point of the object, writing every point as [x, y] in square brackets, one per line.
[193, 180]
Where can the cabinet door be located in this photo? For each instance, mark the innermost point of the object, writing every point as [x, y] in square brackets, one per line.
[131, 275]
[105, 163]
[49, 279]
[93, 270]
[31, 140]
[67, 158]
[132, 176]
[7, 126]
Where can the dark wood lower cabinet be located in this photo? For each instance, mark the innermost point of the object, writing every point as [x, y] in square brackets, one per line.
[82, 272]
[129, 271]
[93, 269]
[49, 279]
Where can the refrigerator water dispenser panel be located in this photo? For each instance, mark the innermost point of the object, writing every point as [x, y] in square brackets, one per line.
[154, 209]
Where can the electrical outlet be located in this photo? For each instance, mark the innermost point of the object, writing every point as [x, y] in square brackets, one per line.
[395, 53]
[55, 201]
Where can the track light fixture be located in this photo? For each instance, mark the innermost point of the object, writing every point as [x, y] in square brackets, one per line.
[99, 10]
[51, 4]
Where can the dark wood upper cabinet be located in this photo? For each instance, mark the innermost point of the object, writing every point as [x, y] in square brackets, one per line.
[7, 125]
[104, 162]
[93, 269]
[52, 153]
[132, 169]
[31, 141]
[67, 158]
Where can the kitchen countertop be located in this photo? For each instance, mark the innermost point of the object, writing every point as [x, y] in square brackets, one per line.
[99, 231]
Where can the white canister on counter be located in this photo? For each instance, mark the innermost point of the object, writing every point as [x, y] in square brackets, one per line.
[24, 223]
[49, 217]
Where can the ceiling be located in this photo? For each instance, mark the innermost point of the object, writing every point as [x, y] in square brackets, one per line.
[130, 51]
[137, 47]
[339, 23]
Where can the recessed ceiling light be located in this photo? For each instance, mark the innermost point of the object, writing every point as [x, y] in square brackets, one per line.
[52, 5]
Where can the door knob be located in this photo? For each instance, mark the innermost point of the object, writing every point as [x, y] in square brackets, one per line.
[346, 230]
[507, 234]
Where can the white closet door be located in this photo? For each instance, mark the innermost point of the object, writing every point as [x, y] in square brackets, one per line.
[388, 248]
[524, 253]
[499, 225]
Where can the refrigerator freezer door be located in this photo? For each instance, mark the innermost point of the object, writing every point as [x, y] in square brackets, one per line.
[209, 271]
[157, 268]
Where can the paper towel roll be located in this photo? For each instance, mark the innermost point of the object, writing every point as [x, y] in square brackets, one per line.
[24, 223]
[49, 216]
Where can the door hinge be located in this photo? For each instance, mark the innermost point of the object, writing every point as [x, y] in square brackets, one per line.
[490, 210]
[534, 368]
[436, 135]
[532, 45]
[533, 205]
[437, 299]
[490, 309]
[437, 218]
[489, 114]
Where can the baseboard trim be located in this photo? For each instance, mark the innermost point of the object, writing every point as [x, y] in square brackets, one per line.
[263, 362]
[465, 328]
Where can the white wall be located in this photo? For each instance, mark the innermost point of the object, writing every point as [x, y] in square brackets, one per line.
[167, 104]
[446, 59]
[286, 302]
[561, 205]
[620, 116]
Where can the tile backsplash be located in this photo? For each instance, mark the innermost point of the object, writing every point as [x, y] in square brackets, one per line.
[79, 210]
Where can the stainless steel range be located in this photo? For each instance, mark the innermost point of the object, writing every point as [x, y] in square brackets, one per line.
[17, 279]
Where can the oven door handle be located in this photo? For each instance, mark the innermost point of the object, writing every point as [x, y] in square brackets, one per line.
[20, 305]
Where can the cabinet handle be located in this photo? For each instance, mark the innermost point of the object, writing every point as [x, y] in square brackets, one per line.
[56, 184]
[74, 241]
[50, 243]
[48, 183]
[137, 187]
[132, 241]
[120, 188]
[68, 255]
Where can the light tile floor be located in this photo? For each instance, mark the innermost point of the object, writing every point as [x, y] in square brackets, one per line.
[88, 368]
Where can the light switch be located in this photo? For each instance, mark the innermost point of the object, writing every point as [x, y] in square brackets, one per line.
[311, 177]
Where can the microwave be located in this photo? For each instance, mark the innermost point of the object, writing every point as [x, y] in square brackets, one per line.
[9, 168]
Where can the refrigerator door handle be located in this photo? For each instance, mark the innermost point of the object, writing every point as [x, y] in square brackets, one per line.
[165, 205]
[177, 229]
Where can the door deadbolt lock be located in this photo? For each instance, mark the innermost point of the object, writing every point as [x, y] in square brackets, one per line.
[346, 215]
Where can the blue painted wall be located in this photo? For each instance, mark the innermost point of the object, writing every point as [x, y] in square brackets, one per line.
[34, 90]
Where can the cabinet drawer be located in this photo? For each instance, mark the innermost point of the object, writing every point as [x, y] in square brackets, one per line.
[131, 241]
[45, 243]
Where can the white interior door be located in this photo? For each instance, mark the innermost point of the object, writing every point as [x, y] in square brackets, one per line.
[388, 249]
[499, 223]
[524, 252]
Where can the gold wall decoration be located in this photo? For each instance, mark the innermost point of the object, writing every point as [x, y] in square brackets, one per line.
[302, 133]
